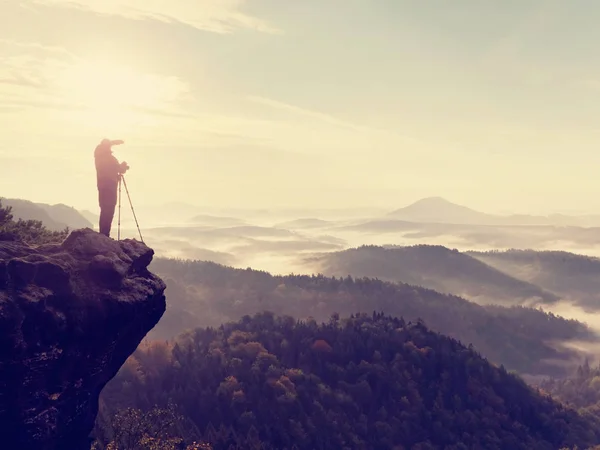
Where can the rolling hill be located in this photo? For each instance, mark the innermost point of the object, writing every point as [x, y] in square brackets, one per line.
[66, 214]
[362, 382]
[90, 216]
[472, 237]
[440, 210]
[576, 278]
[54, 217]
[435, 267]
[208, 294]
[216, 221]
[305, 223]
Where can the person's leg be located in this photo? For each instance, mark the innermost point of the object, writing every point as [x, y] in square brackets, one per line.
[102, 222]
[107, 213]
[108, 202]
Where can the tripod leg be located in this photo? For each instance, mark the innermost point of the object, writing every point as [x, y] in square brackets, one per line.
[119, 223]
[132, 210]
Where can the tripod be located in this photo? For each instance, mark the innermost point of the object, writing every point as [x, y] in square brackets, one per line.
[122, 179]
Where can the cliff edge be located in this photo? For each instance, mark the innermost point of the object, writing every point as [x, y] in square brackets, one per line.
[70, 315]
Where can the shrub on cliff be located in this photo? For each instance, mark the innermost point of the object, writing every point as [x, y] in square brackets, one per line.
[29, 231]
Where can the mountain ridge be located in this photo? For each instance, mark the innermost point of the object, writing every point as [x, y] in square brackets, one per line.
[204, 293]
[55, 217]
[435, 267]
[576, 278]
[437, 209]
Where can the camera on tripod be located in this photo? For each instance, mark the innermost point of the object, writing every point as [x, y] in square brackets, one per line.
[123, 167]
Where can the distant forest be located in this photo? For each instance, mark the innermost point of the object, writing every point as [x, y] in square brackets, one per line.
[435, 267]
[581, 391]
[576, 278]
[209, 294]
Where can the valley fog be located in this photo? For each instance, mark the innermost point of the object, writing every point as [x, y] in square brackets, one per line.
[299, 225]
[276, 242]
[297, 241]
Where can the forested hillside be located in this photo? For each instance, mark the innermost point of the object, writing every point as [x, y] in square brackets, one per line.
[30, 231]
[208, 294]
[54, 217]
[435, 267]
[364, 382]
[580, 391]
[576, 278]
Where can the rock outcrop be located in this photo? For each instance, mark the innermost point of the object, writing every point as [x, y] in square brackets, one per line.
[70, 315]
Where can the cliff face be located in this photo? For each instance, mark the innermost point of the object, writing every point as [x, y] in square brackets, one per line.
[70, 315]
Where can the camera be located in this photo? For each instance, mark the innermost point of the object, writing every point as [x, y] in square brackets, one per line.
[124, 167]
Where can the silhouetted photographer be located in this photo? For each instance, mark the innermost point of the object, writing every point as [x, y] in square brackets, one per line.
[109, 171]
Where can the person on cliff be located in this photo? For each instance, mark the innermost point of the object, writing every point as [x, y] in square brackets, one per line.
[108, 171]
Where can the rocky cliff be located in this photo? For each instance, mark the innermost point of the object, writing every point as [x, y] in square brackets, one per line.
[70, 315]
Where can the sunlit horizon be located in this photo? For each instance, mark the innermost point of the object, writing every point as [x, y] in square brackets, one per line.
[255, 104]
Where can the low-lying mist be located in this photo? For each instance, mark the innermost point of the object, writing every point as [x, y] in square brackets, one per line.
[283, 243]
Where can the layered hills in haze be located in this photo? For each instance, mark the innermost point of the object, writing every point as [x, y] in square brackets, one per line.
[512, 277]
[438, 221]
[434, 267]
[208, 294]
[576, 278]
[440, 210]
[246, 359]
[54, 217]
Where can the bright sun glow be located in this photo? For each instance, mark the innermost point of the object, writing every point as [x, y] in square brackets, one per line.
[115, 97]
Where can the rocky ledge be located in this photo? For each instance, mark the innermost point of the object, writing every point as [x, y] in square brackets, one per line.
[70, 315]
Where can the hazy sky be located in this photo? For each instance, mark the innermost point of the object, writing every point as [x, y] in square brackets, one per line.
[493, 104]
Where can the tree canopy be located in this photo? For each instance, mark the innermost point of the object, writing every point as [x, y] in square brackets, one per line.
[207, 294]
[362, 382]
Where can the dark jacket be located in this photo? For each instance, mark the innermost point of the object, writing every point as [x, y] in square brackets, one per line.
[108, 168]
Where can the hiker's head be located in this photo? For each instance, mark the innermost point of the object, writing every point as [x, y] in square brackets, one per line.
[103, 147]
[106, 144]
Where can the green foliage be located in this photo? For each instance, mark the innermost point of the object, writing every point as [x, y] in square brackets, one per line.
[29, 231]
[208, 294]
[364, 382]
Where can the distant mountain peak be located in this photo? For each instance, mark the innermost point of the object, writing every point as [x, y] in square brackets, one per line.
[434, 199]
[439, 209]
[434, 202]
